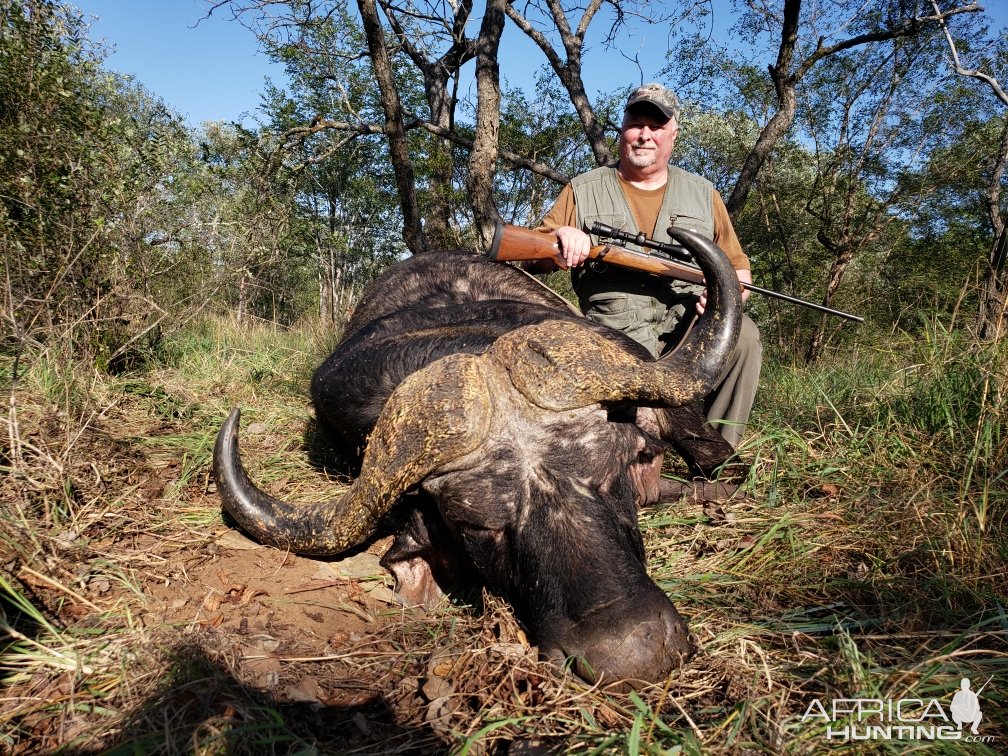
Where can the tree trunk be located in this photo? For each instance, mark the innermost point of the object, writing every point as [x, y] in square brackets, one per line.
[484, 154]
[439, 207]
[994, 286]
[784, 84]
[844, 254]
[242, 296]
[395, 130]
[994, 290]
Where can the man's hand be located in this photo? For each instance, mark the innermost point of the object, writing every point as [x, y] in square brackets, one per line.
[575, 245]
[744, 276]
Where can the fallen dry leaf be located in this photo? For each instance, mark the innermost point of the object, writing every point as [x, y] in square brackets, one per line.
[437, 688]
[306, 690]
[363, 565]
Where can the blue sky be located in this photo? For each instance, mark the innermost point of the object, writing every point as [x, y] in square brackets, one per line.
[212, 69]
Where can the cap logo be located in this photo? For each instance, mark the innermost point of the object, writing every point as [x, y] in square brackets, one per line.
[658, 96]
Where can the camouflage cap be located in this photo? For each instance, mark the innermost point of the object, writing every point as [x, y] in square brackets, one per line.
[658, 96]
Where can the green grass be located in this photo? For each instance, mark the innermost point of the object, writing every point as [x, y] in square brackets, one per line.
[866, 559]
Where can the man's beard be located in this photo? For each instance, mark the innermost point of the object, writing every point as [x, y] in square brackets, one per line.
[644, 159]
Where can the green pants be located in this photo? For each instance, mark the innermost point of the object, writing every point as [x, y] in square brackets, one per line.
[659, 319]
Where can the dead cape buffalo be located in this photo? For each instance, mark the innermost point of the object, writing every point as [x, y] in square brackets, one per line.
[528, 434]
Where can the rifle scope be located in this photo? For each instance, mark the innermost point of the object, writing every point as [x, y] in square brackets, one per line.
[675, 251]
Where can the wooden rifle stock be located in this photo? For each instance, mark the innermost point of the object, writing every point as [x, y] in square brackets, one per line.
[516, 244]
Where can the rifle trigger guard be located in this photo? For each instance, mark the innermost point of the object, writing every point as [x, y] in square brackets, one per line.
[599, 265]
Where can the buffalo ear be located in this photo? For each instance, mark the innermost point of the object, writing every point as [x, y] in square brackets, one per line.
[422, 559]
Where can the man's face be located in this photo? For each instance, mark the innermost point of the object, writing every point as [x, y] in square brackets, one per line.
[647, 138]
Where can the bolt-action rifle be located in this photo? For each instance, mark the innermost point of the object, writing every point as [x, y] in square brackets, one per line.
[514, 243]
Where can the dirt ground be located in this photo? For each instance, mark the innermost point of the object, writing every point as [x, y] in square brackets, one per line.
[266, 604]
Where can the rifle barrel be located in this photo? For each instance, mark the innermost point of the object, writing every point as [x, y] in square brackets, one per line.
[676, 251]
[513, 243]
[802, 302]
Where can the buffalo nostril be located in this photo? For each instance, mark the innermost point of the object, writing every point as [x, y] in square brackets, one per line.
[639, 639]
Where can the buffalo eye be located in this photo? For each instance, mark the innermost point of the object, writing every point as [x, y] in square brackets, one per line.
[646, 455]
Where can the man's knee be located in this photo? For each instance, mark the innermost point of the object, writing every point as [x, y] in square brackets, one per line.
[749, 338]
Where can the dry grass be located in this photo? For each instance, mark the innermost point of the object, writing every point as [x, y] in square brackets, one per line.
[859, 563]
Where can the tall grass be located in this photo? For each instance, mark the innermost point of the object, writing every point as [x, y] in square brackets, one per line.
[922, 426]
[76, 442]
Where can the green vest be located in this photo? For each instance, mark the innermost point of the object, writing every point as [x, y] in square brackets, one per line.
[688, 203]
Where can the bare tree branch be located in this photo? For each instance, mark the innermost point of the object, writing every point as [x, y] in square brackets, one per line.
[908, 28]
[991, 81]
[569, 70]
[299, 134]
[786, 81]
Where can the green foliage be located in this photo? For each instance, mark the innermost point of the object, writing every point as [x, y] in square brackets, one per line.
[55, 167]
[714, 145]
[94, 194]
[344, 219]
[118, 224]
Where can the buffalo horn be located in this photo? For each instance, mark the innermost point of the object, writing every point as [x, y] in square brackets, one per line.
[560, 367]
[435, 416]
[712, 340]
